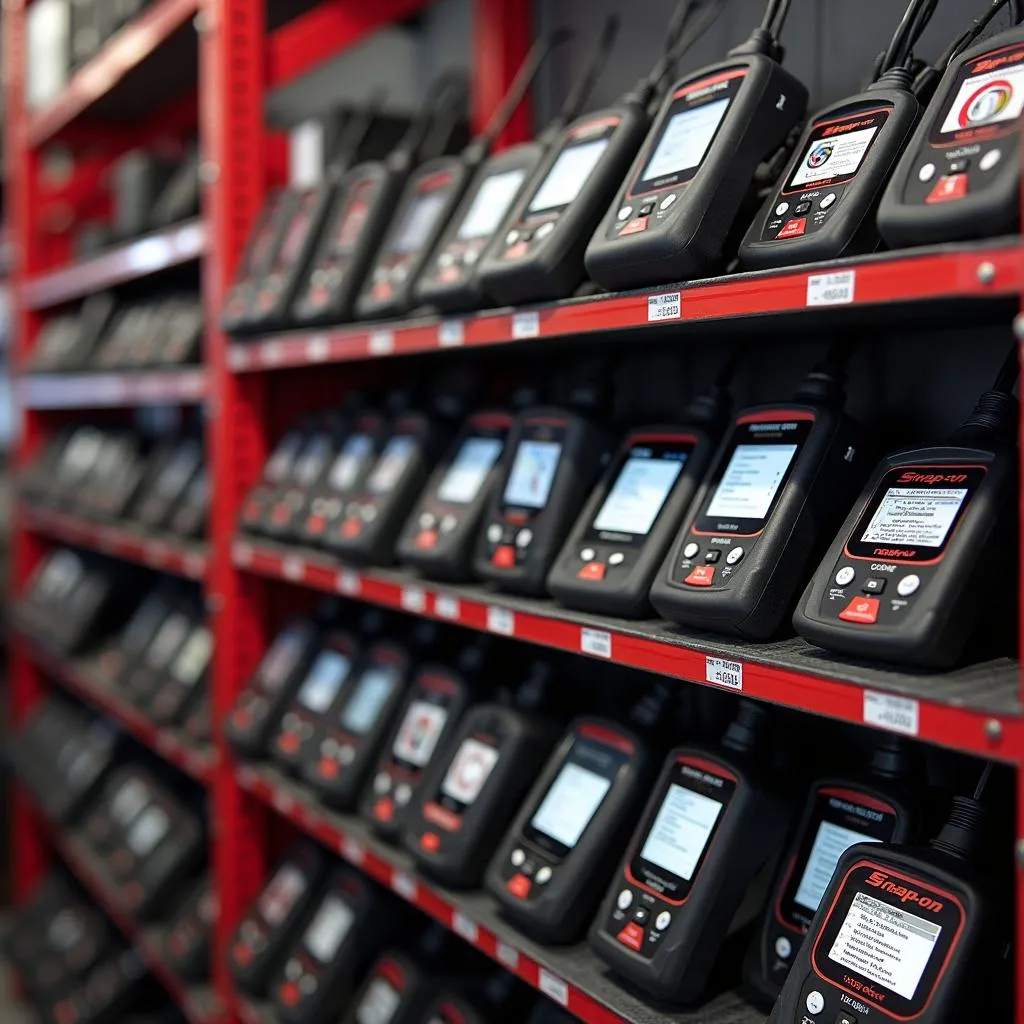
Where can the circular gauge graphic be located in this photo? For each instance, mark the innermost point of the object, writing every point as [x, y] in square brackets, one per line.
[820, 154]
[986, 104]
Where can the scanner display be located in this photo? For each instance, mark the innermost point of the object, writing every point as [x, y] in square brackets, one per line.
[916, 516]
[421, 729]
[533, 472]
[469, 771]
[325, 678]
[469, 470]
[639, 492]
[680, 831]
[831, 842]
[492, 201]
[371, 693]
[568, 175]
[751, 480]
[685, 140]
[349, 463]
[391, 465]
[281, 895]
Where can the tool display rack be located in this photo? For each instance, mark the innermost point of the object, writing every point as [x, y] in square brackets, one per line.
[242, 49]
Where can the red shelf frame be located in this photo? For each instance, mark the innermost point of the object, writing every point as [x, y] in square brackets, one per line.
[47, 391]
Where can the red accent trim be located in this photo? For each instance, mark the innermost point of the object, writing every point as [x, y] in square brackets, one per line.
[592, 126]
[609, 737]
[885, 109]
[391, 972]
[545, 421]
[434, 181]
[858, 797]
[441, 816]
[771, 415]
[704, 83]
[491, 419]
[653, 438]
[432, 680]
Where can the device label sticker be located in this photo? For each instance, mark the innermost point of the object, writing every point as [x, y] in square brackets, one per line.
[317, 348]
[724, 673]
[553, 987]
[664, 307]
[404, 885]
[831, 289]
[352, 850]
[898, 714]
[349, 582]
[596, 642]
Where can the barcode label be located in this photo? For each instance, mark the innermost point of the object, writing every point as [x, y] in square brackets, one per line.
[724, 673]
[501, 620]
[317, 348]
[898, 714]
[664, 307]
[293, 568]
[553, 987]
[447, 607]
[450, 333]
[349, 583]
[831, 289]
[414, 599]
[272, 353]
[238, 358]
[404, 885]
[508, 955]
[381, 343]
[463, 926]
[596, 642]
[526, 325]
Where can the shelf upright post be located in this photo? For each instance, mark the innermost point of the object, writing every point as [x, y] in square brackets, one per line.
[502, 36]
[232, 45]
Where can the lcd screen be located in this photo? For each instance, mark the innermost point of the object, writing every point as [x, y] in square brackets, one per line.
[297, 232]
[919, 516]
[144, 623]
[391, 464]
[750, 481]
[986, 99]
[194, 657]
[533, 472]
[639, 491]
[311, 462]
[280, 463]
[419, 221]
[328, 929]
[280, 661]
[680, 831]
[469, 469]
[831, 842]
[421, 729]
[470, 769]
[168, 640]
[281, 895]
[492, 201]
[685, 140]
[324, 680]
[834, 157]
[885, 944]
[379, 1003]
[148, 830]
[570, 803]
[349, 464]
[130, 799]
[371, 693]
[568, 175]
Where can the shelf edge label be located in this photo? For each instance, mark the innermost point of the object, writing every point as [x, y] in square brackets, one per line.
[597, 642]
[722, 672]
[664, 307]
[831, 289]
[897, 714]
[553, 987]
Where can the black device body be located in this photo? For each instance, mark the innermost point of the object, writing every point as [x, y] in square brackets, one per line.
[439, 535]
[328, 676]
[347, 742]
[824, 205]
[268, 930]
[322, 966]
[553, 457]
[671, 218]
[424, 729]
[107, 993]
[187, 945]
[553, 866]
[198, 724]
[150, 671]
[74, 939]
[710, 826]
[959, 177]
[882, 901]
[621, 537]
[127, 792]
[914, 567]
[260, 705]
[394, 992]
[375, 514]
[187, 677]
[164, 490]
[838, 813]
[277, 472]
[82, 762]
[738, 573]
[470, 795]
[189, 518]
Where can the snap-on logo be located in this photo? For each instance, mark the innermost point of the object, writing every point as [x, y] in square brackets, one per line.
[841, 129]
[892, 553]
[991, 63]
[880, 880]
[932, 478]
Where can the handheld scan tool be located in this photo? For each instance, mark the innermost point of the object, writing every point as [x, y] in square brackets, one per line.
[959, 177]
[824, 205]
[163, 491]
[394, 992]
[276, 474]
[261, 704]
[439, 535]
[762, 513]
[186, 678]
[321, 968]
[914, 566]
[131, 643]
[74, 940]
[125, 795]
[538, 250]
[424, 728]
[839, 812]
[142, 681]
[198, 722]
[902, 933]
[268, 930]
[708, 829]
[106, 993]
[189, 518]
[429, 199]
[187, 946]
[696, 171]
[449, 280]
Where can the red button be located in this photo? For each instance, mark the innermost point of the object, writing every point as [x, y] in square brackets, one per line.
[426, 539]
[949, 186]
[701, 576]
[290, 994]
[636, 225]
[288, 742]
[280, 515]
[382, 290]
[632, 935]
[519, 886]
[351, 527]
[793, 228]
[514, 252]
[861, 609]
[430, 841]
[242, 954]
[384, 809]
[504, 557]
[328, 768]
[252, 510]
[315, 524]
[242, 718]
[591, 571]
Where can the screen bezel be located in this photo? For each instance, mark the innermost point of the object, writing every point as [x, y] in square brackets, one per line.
[581, 136]
[555, 432]
[501, 437]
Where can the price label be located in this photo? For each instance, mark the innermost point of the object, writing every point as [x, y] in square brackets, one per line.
[353, 851]
[451, 333]
[349, 583]
[414, 600]
[507, 955]
[897, 714]
[404, 885]
[447, 607]
[553, 987]
[272, 353]
[596, 642]
[664, 307]
[724, 673]
[317, 348]
[381, 343]
[463, 926]
[293, 568]
[501, 620]
[831, 289]
[238, 358]
[526, 325]
[242, 553]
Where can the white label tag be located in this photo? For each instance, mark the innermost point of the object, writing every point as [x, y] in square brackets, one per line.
[553, 987]
[414, 600]
[664, 307]
[831, 289]
[317, 348]
[898, 714]
[238, 358]
[272, 353]
[508, 955]
[353, 851]
[450, 333]
[381, 343]
[724, 673]
[447, 607]
[463, 926]
[501, 620]
[526, 325]
[404, 885]
[242, 553]
[596, 642]
[293, 568]
[283, 802]
[349, 583]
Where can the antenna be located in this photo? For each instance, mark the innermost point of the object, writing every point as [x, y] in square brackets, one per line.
[585, 84]
[357, 127]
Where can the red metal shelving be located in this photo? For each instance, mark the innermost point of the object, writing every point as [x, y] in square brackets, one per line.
[44, 391]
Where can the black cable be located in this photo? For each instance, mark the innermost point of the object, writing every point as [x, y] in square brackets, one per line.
[976, 28]
[770, 10]
[780, 19]
[986, 773]
[911, 25]
[1006, 379]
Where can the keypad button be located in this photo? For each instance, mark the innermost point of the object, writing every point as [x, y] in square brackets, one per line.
[908, 585]
[544, 230]
[494, 533]
[734, 556]
[959, 166]
[625, 212]
[926, 173]
[845, 575]
[874, 585]
[827, 201]
[990, 159]
[544, 875]
[427, 521]
[523, 538]
[518, 858]
[641, 914]
[663, 920]
[783, 948]
[781, 209]
[625, 899]
[815, 1002]
[403, 794]
[667, 201]
[801, 207]
[712, 556]
[588, 555]
[616, 558]
[690, 550]
[382, 783]
[512, 237]
[647, 209]
[448, 523]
